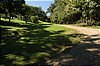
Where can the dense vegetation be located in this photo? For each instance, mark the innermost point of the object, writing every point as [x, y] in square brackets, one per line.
[18, 9]
[75, 11]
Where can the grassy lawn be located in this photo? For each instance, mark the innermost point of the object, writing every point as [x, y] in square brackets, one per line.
[83, 25]
[36, 42]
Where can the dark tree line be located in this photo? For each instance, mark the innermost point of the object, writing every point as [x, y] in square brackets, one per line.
[10, 7]
[74, 11]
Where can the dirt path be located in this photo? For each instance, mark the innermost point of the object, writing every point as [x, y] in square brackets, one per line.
[85, 53]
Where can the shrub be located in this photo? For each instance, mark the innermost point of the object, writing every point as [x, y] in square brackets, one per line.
[79, 21]
[98, 23]
[34, 19]
[47, 19]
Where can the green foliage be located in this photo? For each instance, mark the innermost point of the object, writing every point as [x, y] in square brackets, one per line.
[71, 11]
[29, 11]
[10, 7]
[38, 42]
[34, 19]
[97, 23]
[47, 20]
[22, 10]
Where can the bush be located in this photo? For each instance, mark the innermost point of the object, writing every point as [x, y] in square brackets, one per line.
[34, 19]
[98, 23]
[79, 21]
[47, 19]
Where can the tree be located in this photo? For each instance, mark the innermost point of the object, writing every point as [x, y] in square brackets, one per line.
[56, 11]
[28, 11]
[63, 11]
[10, 7]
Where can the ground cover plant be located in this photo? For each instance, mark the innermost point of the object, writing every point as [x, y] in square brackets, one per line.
[35, 42]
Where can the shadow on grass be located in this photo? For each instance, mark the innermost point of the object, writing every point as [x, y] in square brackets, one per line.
[5, 23]
[34, 46]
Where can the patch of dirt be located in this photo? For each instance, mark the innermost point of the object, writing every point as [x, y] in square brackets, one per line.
[87, 52]
[70, 32]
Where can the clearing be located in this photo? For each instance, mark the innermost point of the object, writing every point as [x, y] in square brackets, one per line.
[35, 42]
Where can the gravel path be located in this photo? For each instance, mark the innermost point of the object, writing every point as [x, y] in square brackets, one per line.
[85, 53]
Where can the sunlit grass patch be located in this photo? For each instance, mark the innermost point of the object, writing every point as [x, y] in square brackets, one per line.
[36, 42]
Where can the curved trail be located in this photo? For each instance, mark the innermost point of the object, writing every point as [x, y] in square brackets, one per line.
[85, 53]
[84, 30]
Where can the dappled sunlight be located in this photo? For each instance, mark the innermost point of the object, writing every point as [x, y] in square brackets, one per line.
[64, 48]
[29, 36]
[93, 49]
[35, 42]
[67, 60]
[87, 52]
[15, 59]
[98, 54]
[12, 28]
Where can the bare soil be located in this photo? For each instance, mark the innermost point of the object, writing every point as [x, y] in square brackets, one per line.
[87, 52]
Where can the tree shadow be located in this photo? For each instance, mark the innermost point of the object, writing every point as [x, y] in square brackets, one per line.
[85, 53]
[5, 23]
[34, 45]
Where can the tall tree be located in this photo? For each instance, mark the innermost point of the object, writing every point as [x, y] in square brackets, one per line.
[28, 11]
[63, 11]
[10, 6]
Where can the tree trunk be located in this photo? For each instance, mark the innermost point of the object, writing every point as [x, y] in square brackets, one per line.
[0, 16]
[9, 19]
[9, 16]
[91, 20]
[87, 20]
[26, 21]
[25, 18]
[5, 16]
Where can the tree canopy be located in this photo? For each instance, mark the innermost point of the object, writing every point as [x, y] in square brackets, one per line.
[10, 7]
[20, 9]
[63, 11]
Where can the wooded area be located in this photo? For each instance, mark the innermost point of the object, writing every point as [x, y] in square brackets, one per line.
[18, 9]
[75, 11]
[61, 11]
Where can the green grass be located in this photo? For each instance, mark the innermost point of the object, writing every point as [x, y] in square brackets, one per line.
[84, 25]
[35, 44]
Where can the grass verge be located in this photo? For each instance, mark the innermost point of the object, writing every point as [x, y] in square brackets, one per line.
[36, 42]
[84, 25]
